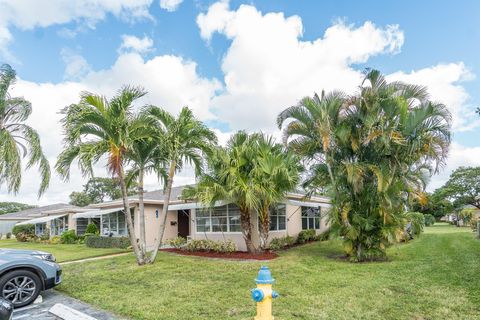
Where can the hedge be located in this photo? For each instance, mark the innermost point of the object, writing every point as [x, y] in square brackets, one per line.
[107, 242]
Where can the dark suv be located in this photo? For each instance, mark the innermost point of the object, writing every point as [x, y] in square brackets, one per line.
[25, 273]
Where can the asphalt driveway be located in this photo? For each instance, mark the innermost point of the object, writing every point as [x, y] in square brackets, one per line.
[39, 311]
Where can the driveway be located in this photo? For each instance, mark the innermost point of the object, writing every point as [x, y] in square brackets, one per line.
[40, 311]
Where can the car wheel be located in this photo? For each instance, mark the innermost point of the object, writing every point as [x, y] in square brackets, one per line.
[20, 287]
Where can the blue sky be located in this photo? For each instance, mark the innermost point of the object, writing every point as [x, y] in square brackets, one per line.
[80, 47]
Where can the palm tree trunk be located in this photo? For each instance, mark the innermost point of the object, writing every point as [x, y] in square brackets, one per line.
[264, 229]
[166, 202]
[126, 207]
[141, 207]
[247, 230]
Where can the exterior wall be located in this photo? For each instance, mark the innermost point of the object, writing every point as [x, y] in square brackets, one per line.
[72, 223]
[152, 224]
[6, 226]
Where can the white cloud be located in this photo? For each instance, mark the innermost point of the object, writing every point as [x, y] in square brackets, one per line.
[29, 14]
[172, 83]
[459, 155]
[268, 67]
[170, 5]
[135, 44]
[76, 66]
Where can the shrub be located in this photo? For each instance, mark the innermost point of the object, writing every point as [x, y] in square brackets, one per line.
[91, 229]
[210, 245]
[306, 235]
[9, 235]
[23, 237]
[178, 242]
[429, 220]
[415, 222]
[323, 236]
[55, 240]
[45, 236]
[107, 242]
[68, 237]
[27, 229]
[281, 243]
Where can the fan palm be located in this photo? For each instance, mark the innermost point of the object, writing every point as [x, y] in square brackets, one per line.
[183, 139]
[372, 151]
[17, 139]
[96, 128]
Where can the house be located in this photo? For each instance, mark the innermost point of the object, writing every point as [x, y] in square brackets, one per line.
[9, 220]
[190, 219]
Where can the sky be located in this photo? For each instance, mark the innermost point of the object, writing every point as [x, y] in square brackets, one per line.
[237, 64]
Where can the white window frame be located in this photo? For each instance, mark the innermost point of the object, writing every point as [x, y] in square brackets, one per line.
[113, 226]
[319, 217]
[55, 230]
[209, 220]
[278, 217]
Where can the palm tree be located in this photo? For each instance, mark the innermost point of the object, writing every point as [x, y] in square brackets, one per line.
[230, 178]
[145, 157]
[276, 172]
[17, 139]
[183, 139]
[96, 127]
[372, 152]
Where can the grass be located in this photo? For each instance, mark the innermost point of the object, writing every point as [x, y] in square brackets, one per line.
[434, 277]
[63, 252]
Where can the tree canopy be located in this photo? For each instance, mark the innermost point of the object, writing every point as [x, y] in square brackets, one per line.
[463, 187]
[100, 189]
[8, 207]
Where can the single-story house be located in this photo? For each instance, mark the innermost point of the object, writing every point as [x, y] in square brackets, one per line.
[191, 219]
[9, 220]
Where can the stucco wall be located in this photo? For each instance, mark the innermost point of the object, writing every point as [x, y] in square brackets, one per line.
[152, 224]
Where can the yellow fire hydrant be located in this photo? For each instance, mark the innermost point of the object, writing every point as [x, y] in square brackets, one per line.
[263, 294]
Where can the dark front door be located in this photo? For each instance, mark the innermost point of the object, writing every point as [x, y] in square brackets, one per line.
[183, 223]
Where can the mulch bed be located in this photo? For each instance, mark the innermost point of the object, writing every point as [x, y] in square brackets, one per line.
[238, 255]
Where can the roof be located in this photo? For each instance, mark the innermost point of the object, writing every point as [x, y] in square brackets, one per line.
[32, 213]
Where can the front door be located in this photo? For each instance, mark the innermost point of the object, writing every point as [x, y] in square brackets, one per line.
[183, 223]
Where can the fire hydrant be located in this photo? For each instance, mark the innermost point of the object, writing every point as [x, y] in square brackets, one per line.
[263, 294]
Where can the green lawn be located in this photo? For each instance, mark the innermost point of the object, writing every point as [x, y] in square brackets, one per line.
[63, 252]
[434, 277]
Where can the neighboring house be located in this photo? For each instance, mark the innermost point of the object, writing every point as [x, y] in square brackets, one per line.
[9, 220]
[191, 219]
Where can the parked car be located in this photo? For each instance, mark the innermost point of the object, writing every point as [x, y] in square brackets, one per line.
[26, 273]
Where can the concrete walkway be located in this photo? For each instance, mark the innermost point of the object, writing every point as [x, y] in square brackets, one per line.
[39, 311]
[95, 258]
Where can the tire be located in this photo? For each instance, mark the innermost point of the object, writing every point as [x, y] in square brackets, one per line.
[26, 281]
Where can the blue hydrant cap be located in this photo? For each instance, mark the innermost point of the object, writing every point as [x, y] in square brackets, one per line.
[264, 276]
[257, 295]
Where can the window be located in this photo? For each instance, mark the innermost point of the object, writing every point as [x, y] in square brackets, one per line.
[114, 224]
[278, 217]
[219, 219]
[40, 228]
[59, 226]
[81, 226]
[310, 218]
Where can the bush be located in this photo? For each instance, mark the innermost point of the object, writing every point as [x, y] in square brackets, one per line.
[210, 245]
[429, 220]
[107, 242]
[9, 235]
[281, 243]
[68, 237]
[45, 236]
[55, 240]
[415, 222]
[23, 237]
[178, 242]
[91, 229]
[306, 236]
[323, 236]
[26, 229]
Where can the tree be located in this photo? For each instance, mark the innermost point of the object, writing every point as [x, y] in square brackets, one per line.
[275, 173]
[433, 204]
[183, 139]
[463, 187]
[18, 140]
[80, 199]
[100, 189]
[97, 127]
[372, 152]
[7, 207]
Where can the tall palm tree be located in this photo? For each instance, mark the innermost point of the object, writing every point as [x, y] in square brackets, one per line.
[229, 177]
[276, 172]
[96, 128]
[145, 157]
[184, 139]
[372, 152]
[17, 139]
